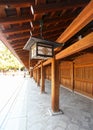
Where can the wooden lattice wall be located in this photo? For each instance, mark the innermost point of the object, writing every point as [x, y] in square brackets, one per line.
[48, 72]
[65, 70]
[83, 74]
[76, 75]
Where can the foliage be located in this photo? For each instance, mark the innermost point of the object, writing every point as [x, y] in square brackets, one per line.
[7, 60]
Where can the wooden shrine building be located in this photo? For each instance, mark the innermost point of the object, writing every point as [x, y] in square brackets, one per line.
[67, 22]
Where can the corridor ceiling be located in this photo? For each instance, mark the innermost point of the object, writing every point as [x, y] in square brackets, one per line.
[20, 19]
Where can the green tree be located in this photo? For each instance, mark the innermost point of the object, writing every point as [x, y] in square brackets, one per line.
[7, 59]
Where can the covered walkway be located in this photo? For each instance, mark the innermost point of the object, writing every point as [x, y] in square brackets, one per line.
[30, 110]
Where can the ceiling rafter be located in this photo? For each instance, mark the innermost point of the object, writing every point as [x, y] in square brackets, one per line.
[45, 8]
[51, 29]
[18, 49]
[18, 45]
[51, 32]
[20, 36]
[22, 51]
[15, 20]
[20, 3]
[2, 13]
[19, 41]
[52, 36]
[16, 30]
[39, 2]
[26, 55]
[52, 21]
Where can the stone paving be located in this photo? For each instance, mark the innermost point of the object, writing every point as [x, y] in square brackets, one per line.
[78, 110]
[30, 110]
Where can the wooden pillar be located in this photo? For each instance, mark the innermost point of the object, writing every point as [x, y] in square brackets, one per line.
[35, 75]
[42, 79]
[29, 60]
[55, 85]
[38, 77]
[31, 73]
[72, 76]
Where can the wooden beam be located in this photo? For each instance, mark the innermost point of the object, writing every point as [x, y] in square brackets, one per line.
[18, 47]
[18, 11]
[82, 20]
[55, 85]
[45, 8]
[50, 34]
[2, 14]
[20, 36]
[54, 20]
[20, 41]
[47, 62]
[16, 30]
[33, 63]
[22, 56]
[2, 11]
[38, 2]
[21, 51]
[19, 44]
[20, 3]
[53, 33]
[84, 43]
[15, 20]
[50, 30]
[76, 47]
[53, 37]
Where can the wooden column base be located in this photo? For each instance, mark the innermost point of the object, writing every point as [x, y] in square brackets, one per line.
[52, 113]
